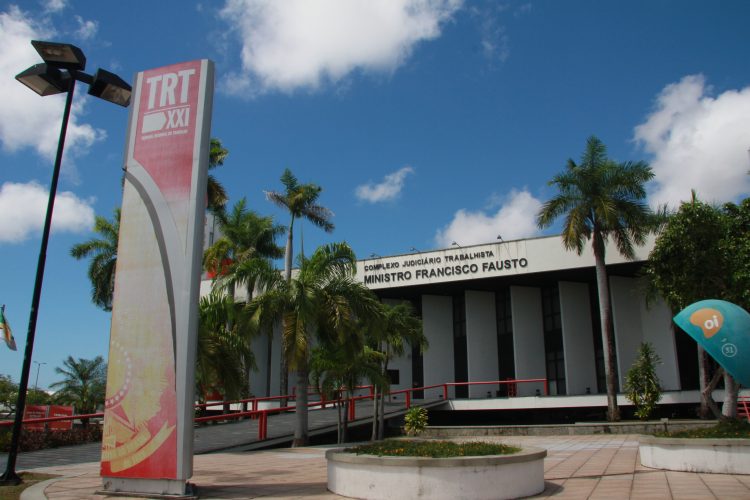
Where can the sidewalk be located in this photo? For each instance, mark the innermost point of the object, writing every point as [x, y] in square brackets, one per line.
[576, 467]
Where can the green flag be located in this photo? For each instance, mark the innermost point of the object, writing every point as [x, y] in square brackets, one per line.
[5, 329]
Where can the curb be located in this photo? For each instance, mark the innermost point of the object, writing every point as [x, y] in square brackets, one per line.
[36, 491]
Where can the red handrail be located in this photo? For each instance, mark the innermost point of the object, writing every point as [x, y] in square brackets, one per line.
[8, 423]
[262, 415]
[743, 409]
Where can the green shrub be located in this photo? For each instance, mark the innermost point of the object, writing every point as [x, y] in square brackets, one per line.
[642, 385]
[415, 421]
[433, 449]
[725, 429]
[40, 440]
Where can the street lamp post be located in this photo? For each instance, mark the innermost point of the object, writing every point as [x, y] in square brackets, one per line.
[38, 367]
[63, 66]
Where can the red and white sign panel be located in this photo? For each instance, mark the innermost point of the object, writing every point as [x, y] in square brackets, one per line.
[150, 380]
[34, 411]
[60, 411]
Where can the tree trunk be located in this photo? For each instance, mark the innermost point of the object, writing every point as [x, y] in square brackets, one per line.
[349, 403]
[345, 427]
[708, 391]
[381, 417]
[339, 427]
[288, 253]
[706, 399]
[731, 389]
[284, 375]
[269, 362]
[374, 435]
[605, 313]
[381, 414]
[246, 394]
[300, 427]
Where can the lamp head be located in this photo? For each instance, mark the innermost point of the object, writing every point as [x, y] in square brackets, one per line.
[45, 79]
[110, 87]
[61, 55]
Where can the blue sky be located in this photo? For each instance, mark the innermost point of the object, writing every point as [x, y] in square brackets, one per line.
[425, 121]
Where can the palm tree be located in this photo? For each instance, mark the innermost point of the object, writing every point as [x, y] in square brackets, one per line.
[322, 301]
[300, 201]
[103, 254]
[337, 367]
[223, 355]
[83, 383]
[601, 199]
[216, 194]
[245, 236]
[391, 331]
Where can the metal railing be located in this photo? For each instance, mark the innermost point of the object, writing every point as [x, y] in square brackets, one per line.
[262, 414]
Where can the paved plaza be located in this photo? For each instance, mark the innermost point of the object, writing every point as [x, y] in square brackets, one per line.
[576, 467]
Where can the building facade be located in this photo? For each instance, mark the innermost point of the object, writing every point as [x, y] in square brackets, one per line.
[525, 309]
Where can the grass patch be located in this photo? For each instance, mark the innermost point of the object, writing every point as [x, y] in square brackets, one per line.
[735, 429]
[433, 449]
[29, 479]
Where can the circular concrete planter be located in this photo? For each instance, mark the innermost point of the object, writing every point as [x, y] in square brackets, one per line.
[723, 456]
[394, 478]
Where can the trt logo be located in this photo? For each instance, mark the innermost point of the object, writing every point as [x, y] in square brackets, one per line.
[167, 107]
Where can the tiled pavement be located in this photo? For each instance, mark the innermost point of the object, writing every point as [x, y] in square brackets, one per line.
[576, 467]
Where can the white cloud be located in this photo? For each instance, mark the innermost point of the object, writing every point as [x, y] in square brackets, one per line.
[387, 190]
[304, 43]
[516, 218]
[55, 5]
[86, 29]
[23, 206]
[26, 119]
[698, 141]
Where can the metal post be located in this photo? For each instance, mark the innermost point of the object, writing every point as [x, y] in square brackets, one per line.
[263, 425]
[36, 382]
[10, 476]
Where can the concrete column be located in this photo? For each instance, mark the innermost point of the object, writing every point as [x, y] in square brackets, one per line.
[259, 346]
[276, 362]
[578, 340]
[626, 320]
[401, 363]
[481, 341]
[437, 318]
[659, 330]
[637, 322]
[528, 336]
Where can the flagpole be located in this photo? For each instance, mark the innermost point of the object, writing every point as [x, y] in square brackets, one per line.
[10, 476]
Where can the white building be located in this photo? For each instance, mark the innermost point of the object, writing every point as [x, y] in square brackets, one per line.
[524, 309]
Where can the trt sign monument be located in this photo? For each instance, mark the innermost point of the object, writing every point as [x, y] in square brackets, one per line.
[147, 446]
